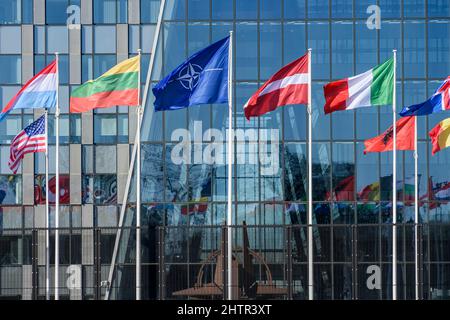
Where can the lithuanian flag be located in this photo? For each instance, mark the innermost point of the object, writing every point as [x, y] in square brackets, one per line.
[118, 86]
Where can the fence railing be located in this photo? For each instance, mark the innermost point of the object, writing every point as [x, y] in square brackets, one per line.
[269, 262]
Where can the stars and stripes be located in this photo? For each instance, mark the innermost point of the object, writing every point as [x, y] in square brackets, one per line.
[29, 140]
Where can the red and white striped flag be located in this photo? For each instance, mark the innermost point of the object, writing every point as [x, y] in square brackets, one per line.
[288, 86]
[29, 140]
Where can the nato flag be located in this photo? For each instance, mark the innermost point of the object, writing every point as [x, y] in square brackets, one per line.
[202, 79]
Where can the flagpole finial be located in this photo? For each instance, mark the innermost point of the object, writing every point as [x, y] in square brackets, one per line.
[56, 53]
[395, 50]
[139, 51]
[309, 49]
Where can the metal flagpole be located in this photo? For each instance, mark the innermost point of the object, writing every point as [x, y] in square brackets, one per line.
[416, 210]
[138, 186]
[394, 185]
[133, 155]
[310, 204]
[57, 182]
[230, 169]
[47, 216]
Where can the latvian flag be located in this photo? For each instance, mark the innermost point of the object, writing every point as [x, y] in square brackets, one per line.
[288, 86]
[371, 88]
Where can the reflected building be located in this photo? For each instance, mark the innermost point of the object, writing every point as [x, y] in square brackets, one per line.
[184, 205]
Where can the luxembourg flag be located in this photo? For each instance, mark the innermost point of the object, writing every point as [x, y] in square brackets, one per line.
[38, 92]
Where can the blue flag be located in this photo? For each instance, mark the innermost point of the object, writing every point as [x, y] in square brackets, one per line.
[440, 101]
[202, 79]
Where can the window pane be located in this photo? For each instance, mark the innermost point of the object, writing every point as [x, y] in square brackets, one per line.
[149, 11]
[27, 11]
[57, 40]
[270, 49]
[246, 9]
[318, 9]
[270, 9]
[246, 51]
[343, 172]
[86, 39]
[342, 49]
[103, 63]
[198, 9]
[11, 189]
[438, 8]
[366, 47]
[414, 8]
[175, 10]
[438, 49]
[10, 40]
[222, 10]
[105, 39]
[414, 49]
[342, 8]
[55, 11]
[10, 11]
[318, 40]
[104, 11]
[294, 9]
[105, 159]
[105, 128]
[11, 67]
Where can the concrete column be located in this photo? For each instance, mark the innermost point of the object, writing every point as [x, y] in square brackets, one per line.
[123, 163]
[75, 55]
[87, 236]
[27, 53]
[86, 12]
[39, 222]
[39, 11]
[27, 283]
[134, 12]
[75, 173]
[87, 128]
[28, 179]
[122, 42]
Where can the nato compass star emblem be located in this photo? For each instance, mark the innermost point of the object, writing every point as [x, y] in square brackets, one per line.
[189, 76]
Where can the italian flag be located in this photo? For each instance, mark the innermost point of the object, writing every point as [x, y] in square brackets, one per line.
[118, 86]
[371, 88]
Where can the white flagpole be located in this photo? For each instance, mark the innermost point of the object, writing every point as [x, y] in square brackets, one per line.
[47, 216]
[416, 210]
[138, 186]
[57, 182]
[394, 185]
[310, 203]
[133, 154]
[230, 168]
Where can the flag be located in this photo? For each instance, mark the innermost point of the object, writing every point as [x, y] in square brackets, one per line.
[371, 88]
[118, 86]
[288, 86]
[201, 79]
[195, 207]
[405, 137]
[64, 190]
[29, 140]
[440, 101]
[344, 190]
[440, 136]
[38, 92]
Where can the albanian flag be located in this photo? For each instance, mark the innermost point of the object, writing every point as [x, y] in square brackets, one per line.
[405, 137]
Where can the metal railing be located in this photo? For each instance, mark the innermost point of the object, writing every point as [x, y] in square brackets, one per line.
[269, 262]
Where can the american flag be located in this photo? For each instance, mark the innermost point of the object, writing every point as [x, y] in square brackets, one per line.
[29, 140]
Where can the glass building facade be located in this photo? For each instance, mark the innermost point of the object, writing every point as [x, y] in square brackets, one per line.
[184, 204]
